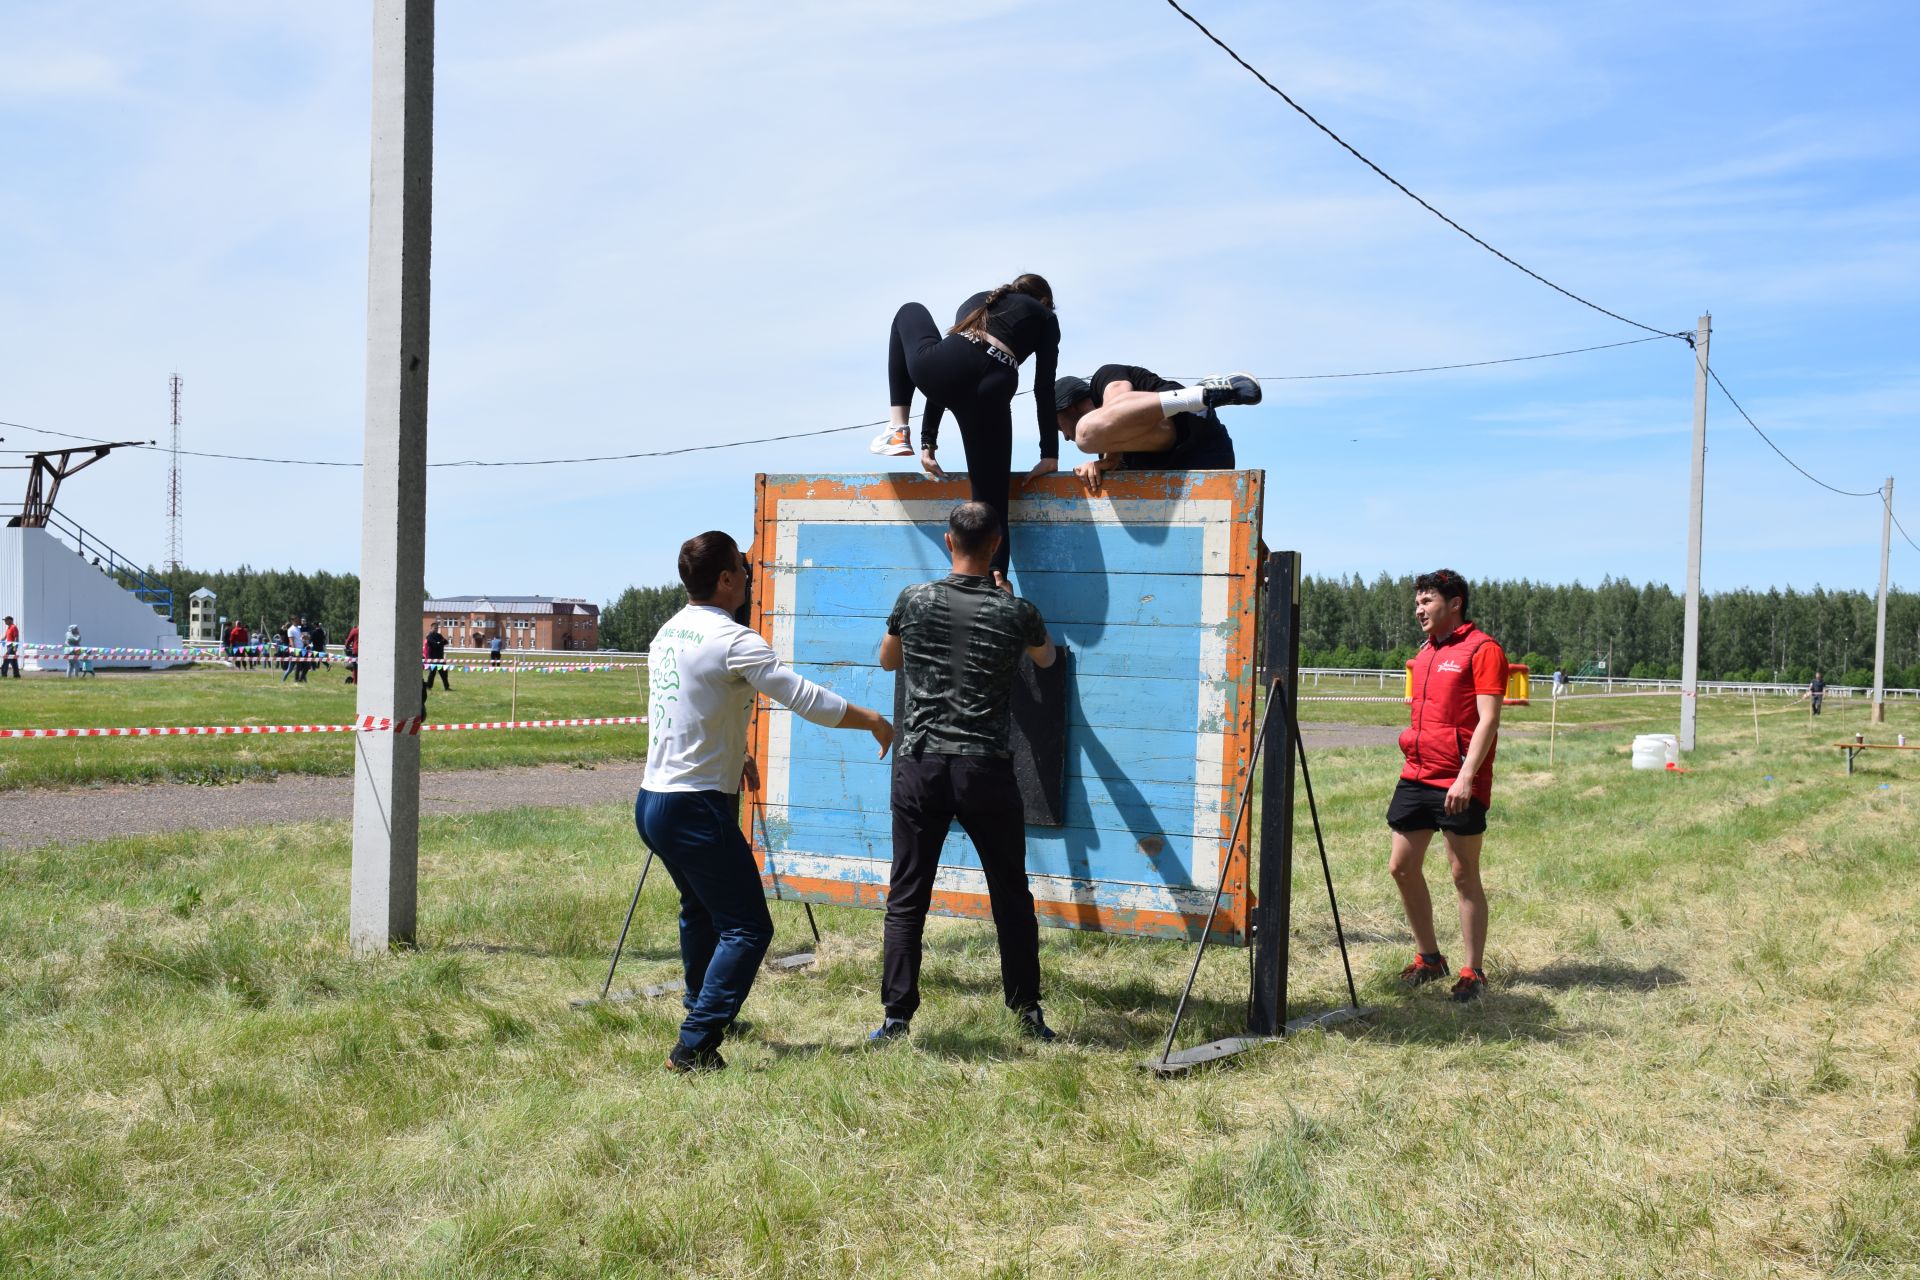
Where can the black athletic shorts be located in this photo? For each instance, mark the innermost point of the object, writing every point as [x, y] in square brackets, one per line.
[1419, 807]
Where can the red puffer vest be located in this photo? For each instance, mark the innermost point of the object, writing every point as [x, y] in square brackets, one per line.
[1444, 714]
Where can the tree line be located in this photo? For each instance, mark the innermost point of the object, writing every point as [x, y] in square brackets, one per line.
[1772, 635]
[1778, 634]
[269, 598]
[266, 599]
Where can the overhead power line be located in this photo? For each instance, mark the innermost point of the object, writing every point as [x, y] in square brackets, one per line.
[1903, 531]
[801, 435]
[1402, 187]
[1845, 493]
[1475, 364]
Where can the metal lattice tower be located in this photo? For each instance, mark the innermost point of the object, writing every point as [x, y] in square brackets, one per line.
[173, 481]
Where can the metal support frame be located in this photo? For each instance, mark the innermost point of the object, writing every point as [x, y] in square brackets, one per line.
[45, 471]
[1273, 913]
[799, 960]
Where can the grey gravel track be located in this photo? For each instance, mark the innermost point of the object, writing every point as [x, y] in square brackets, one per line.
[43, 816]
[29, 819]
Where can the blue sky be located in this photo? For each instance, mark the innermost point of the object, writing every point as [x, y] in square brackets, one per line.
[654, 231]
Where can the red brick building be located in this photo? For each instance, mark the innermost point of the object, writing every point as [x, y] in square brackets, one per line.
[521, 622]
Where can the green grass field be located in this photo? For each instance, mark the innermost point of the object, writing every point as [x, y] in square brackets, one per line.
[214, 695]
[1698, 1057]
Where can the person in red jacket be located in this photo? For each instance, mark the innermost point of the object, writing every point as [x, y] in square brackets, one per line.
[1458, 679]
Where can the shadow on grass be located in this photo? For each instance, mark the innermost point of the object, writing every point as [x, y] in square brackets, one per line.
[1565, 975]
[1505, 1014]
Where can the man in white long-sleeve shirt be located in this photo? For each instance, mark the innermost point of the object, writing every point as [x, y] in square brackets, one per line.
[703, 671]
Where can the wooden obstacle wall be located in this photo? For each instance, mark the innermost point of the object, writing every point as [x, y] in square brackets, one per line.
[1152, 586]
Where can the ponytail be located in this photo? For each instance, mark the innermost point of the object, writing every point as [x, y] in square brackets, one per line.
[975, 321]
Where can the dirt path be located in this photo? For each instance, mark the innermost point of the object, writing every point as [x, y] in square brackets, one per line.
[42, 816]
[32, 818]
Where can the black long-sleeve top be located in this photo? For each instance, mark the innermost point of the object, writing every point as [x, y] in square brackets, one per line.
[1028, 327]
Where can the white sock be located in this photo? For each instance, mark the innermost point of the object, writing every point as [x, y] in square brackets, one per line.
[1185, 400]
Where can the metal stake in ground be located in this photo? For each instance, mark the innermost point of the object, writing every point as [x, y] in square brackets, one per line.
[766, 843]
[626, 924]
[1233, 842]
[1326, 869]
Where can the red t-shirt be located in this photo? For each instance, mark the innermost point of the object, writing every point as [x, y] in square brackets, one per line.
[1447, 677]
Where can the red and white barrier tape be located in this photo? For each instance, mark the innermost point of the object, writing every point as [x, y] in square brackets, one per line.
[266, 657]
[1317, 697]
[366, 724]
[439, 727]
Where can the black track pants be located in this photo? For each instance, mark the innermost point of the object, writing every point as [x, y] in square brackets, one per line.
[953, 373]
[929, 792]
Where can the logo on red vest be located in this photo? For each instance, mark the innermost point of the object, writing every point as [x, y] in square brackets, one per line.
[1450, 665]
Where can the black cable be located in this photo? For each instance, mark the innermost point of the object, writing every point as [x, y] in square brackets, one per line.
[796, 435]
[1441, 368]
[465, 462]
[1903, 530]
[1402, 187]
[1845, 493]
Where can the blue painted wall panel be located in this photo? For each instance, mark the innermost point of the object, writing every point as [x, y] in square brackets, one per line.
[1151, 588]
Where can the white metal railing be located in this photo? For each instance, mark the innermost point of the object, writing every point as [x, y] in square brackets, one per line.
[1543, 680]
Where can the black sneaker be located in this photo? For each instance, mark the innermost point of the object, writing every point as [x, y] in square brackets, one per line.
[890, 1030]
[1033, 1025]
[684, 1060]
[1423, 970]
[1472, 985]
[1231, 388]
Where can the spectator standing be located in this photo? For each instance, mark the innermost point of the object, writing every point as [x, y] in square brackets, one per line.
[10, 639]
[1817, 691]
[317, 643]
[435, 651]
[296, 644]
[493, 650]
[1559, 681]
[73, 651]
[1458, 679]
[352, 650]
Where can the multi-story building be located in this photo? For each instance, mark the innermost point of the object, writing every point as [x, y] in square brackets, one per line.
[521, 622]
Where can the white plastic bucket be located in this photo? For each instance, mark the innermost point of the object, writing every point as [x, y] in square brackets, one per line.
[1655, 750]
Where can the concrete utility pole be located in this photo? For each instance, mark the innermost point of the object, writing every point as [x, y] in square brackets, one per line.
[386, 783]
[1690, 644]
[1880, 626]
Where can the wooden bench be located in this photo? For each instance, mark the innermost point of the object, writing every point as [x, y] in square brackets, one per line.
[1855, 748]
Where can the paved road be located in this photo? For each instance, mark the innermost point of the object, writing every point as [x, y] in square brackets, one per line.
[42, 816]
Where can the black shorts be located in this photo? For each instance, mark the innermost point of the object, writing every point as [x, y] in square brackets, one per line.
[1418, 807]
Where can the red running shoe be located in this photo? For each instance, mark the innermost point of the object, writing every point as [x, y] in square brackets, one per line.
[1422, 971]
[1472, 985]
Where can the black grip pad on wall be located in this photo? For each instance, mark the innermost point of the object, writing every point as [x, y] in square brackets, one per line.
[1038, 737]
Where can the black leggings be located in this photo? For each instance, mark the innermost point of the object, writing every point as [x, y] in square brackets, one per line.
[956, 374]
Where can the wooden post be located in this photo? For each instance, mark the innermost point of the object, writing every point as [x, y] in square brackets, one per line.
[1273, 914]
[1553, 729]
[1755, 695]
[513, 681]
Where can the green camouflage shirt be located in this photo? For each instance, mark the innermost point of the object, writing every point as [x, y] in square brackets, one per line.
[960, 642]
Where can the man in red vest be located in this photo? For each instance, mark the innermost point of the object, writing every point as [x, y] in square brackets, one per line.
[1458, 679]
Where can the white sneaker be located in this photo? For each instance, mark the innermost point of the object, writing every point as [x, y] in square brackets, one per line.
[894, 442]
